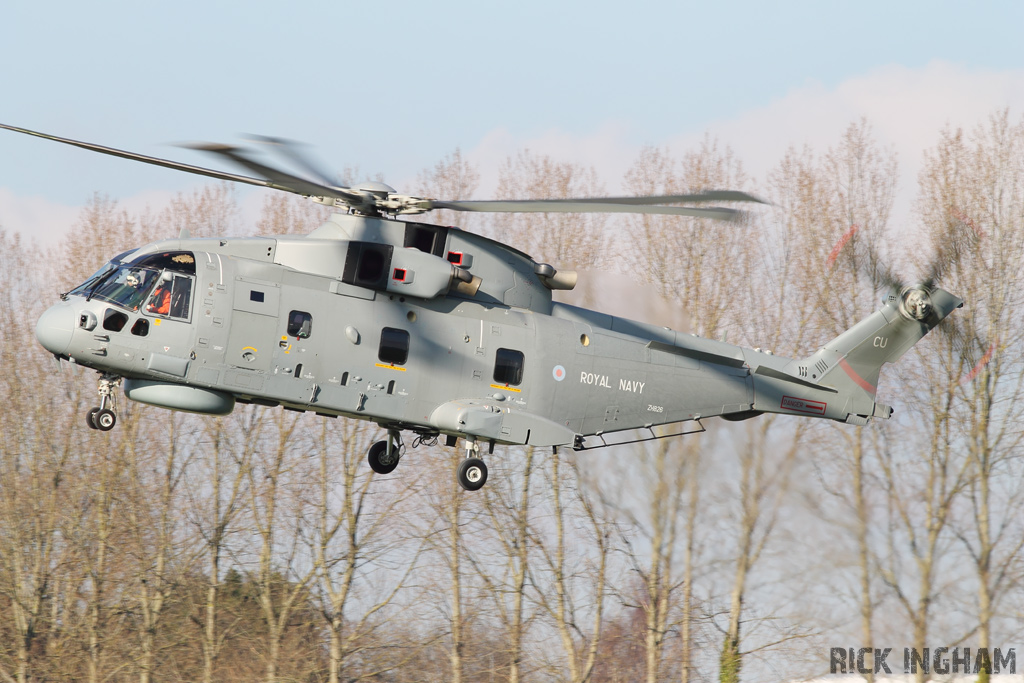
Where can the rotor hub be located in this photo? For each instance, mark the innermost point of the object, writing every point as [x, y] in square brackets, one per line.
[916, 303]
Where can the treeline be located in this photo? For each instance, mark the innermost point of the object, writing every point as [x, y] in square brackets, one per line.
[260, 545]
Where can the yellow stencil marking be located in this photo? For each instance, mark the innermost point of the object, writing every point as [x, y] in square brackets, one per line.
[390, 367]
[506, 388]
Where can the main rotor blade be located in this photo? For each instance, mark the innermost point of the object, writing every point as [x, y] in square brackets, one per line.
[290, 149]
[188, 168]
[279, 179]
[577, 206]
[709, 196]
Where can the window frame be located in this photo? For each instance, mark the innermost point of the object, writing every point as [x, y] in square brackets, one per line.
[187, 318]
[393, 332]
[308, 318]
[513, 359]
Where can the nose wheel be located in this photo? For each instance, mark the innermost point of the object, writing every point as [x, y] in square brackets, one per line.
[103, 418]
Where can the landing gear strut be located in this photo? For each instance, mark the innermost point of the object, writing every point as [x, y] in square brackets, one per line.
[384, 455]
[103, 418]
[472, 472]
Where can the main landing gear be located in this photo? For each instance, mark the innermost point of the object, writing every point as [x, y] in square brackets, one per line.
[383, 457]
[103, 417]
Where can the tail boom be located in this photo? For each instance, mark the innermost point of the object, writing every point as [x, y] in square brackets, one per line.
[840, 380]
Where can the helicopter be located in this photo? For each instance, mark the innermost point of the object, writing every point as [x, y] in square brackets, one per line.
[435, 331]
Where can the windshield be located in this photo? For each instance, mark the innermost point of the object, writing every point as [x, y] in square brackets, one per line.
[101, 274]
[126, 287]
[83, 289]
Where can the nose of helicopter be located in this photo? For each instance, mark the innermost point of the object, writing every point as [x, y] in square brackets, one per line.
[55, 327]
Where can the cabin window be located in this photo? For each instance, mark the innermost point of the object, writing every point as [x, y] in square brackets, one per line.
[394, 346]
[508, 367]
[300, 324]
[141, 327]
[114, 320]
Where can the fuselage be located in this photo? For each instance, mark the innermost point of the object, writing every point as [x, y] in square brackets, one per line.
[287, 321]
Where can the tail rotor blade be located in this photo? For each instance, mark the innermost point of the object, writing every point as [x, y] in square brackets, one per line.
[879, 272]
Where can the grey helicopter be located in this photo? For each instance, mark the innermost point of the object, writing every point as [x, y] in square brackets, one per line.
[435, 331]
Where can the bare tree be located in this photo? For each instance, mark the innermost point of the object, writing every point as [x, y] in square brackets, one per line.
[453, 178]
[286, 214]
[571, 589]
[971, 190]
[356, 531]
[102, 231]
[509, 504]
[37, 458]
[209, 211]
[687, 260]
[277, 512]
[579, 240]
[159, 550]
[831, 216]
[219, 488]
[445, 532]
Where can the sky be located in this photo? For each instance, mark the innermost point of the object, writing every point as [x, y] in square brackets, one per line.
[393, 87]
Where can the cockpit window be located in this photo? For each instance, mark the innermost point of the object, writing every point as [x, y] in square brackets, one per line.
[127, 286]
[111, 265]
[172, 297]
[83, 289]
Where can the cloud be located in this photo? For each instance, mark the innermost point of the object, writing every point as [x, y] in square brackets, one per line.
[34, 216]
[906, 106]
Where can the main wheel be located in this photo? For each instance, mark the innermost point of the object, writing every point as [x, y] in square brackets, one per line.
[380, 461]
[105, 420]
[472, 474]
[90, 418]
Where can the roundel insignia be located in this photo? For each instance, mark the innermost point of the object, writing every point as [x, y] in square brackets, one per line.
[558, 373]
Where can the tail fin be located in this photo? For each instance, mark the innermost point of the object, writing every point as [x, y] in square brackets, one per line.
[852, 361]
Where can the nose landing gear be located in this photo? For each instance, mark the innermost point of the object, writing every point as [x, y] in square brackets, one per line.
[472, 472]
[103, 418]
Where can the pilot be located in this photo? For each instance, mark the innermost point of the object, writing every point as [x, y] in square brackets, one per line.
[160, 302]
